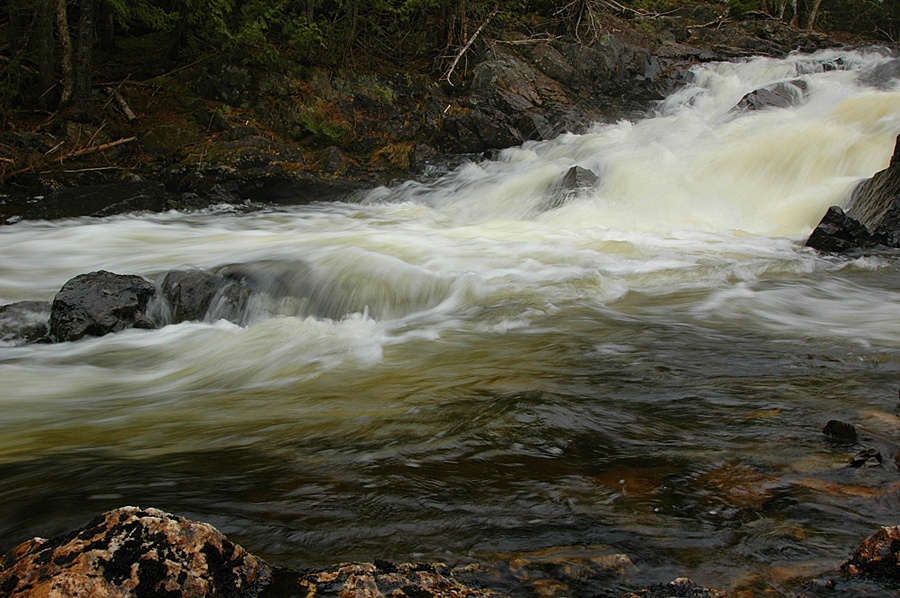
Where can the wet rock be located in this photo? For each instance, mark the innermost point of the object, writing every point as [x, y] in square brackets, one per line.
[872, 218]
[877, 557]
[839, 233]
[883, 75]
[840, 431]
[382, 579]
[190, 293]
[876, 205]
[556, 571]
[780, 95]
[98, 303]
[97, 200]
[680, 588]
[133, 552]
[335, 161]
[576, 180]
[422, 157]
[24, 322]
[869, 457]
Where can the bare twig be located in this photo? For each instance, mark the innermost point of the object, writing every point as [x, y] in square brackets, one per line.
[33, 165]
[120, 101]
[465, 48]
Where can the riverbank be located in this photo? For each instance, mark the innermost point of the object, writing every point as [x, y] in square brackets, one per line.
[147, 552]
[213, 132]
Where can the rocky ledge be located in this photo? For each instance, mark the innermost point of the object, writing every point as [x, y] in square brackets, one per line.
[871, 218]
[147, 553]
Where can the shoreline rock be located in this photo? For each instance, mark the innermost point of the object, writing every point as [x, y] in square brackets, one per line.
[872, 218]
[138, 552]
[134, 552]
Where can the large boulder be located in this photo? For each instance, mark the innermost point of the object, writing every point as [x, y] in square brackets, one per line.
[98, 303]
[877, 557]
[871, 219]
[133, 552]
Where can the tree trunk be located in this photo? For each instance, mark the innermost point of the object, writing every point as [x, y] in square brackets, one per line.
[795, 18]
[84, 61]
[813, 13]
[46, 53]
[65, 59]
[106, 28]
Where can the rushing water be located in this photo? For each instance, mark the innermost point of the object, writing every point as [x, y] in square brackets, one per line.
[452, 370]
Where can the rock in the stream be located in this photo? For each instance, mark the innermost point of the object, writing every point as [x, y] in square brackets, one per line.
[780, 95]
[198, 294]
[24, 322]
[872, 218]
[133, 552]
[575, 180]
[878, 557]
[98, 303]
[840, 431]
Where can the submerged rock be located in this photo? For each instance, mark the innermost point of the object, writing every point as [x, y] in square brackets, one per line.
[98, 303]
[872, 218]
[382, 579]
[24, 322]
[869, 457]
[199, 295]
[133, 552]
[680, 588]
[877, 557]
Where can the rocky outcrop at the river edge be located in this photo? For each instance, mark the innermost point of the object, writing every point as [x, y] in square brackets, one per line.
[133, 552]
[872, 218]
[222, 133]
[147, 553]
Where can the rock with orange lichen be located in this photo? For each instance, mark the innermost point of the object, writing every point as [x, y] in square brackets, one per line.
[133, 552]
[878, 556]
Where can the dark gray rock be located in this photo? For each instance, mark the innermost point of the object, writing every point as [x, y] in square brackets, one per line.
[780, 95]
[839, 233]
[99, 303]
[870, 457]
[576, 180]
[872, 218]
[25, 322]
[134, 552]
[883, 75]
[875, 203]
[97, 200]
[840, 431]
[190, 293]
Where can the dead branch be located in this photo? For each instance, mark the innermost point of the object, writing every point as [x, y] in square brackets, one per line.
[465, 48]
[34, 166]
[120, 102]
